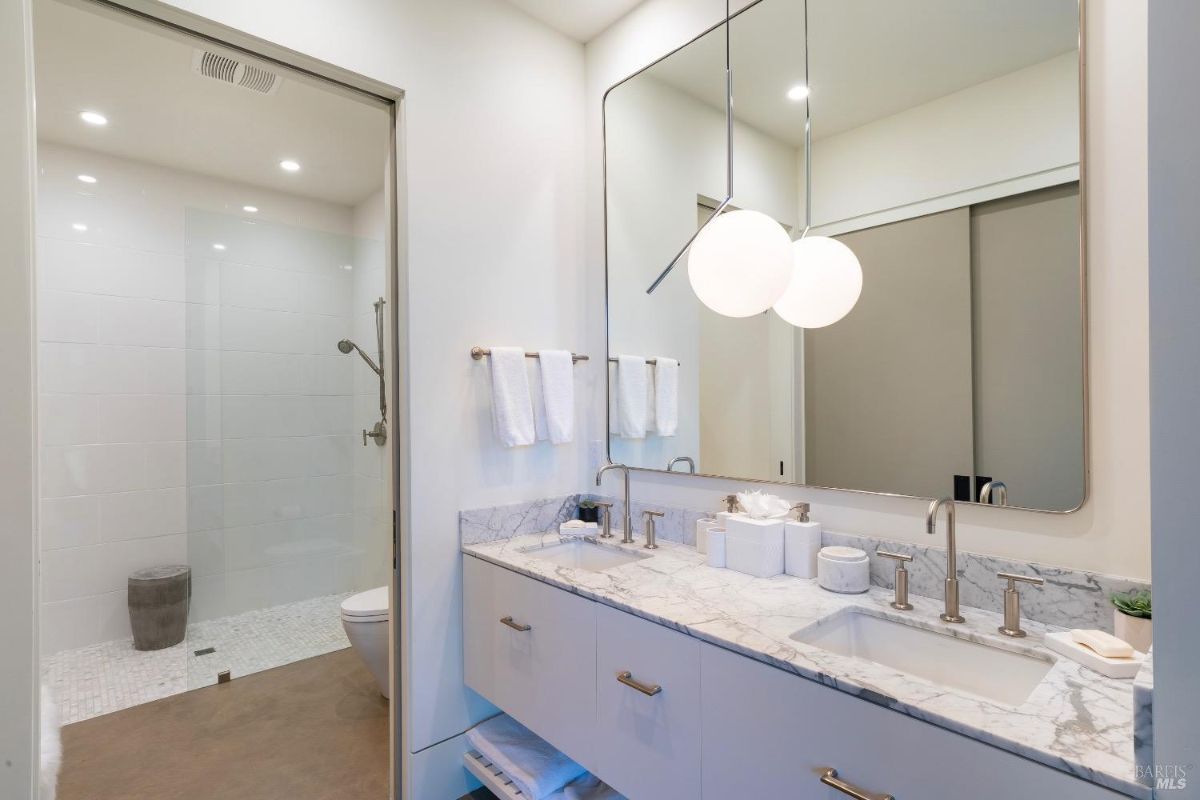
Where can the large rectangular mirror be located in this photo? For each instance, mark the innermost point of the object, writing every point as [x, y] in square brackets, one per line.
[945, 151]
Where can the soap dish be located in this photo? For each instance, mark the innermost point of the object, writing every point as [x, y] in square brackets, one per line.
[1063, 644]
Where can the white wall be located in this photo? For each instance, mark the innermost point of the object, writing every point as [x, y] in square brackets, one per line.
[194, 407]
[1111, 533]
[494, 131]
[1175, 388]
[1011, 134]
[18, 497]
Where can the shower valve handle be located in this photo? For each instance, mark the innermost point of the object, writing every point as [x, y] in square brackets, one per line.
[378, 433]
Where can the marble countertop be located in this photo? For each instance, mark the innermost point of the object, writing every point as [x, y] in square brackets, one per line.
[1076, 720]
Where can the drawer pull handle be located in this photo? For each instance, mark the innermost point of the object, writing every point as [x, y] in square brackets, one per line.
[830, 778]
[648, 689]
[516, 626]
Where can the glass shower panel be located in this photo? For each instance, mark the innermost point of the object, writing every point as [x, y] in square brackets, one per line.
[283, 498]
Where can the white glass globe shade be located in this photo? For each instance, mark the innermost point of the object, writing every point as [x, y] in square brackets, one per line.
[826, 283]
[740, 264]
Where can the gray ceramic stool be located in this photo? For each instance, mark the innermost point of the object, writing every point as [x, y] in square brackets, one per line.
[158, 606]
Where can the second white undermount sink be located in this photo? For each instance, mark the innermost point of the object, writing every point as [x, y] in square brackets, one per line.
[998, 674]
[584, 554]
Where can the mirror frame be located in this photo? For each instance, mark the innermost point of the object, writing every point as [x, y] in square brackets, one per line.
[1083, 294]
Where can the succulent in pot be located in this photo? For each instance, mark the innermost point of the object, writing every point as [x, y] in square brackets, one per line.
[588, 511]
[1132, 618]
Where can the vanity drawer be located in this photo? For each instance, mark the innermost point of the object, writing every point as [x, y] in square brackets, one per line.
[647, 746]
[771, 734]
[544, 675]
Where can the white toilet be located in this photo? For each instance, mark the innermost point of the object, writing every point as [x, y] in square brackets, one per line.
[365, 618]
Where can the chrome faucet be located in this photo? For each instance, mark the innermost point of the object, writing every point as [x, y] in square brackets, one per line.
[686, 460]
[951, 613]
[999, 488]
[627, 518]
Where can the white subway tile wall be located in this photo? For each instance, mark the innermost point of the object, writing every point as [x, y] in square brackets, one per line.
[193, 406]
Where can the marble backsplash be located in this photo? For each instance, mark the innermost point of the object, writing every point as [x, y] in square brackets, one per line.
[1069, 598]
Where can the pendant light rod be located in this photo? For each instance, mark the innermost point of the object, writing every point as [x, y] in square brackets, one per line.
[728, 154]
[807, 133]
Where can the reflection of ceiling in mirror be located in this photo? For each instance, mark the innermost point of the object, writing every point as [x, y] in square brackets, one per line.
[869, 58]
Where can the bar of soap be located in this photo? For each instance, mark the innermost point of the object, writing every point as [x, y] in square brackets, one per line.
[1104, 644]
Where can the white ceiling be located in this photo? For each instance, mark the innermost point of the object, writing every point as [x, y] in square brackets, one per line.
[582, 20]
[868, 58]
[159, 111]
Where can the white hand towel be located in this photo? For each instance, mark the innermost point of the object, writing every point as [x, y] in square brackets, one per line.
[539, 402]
[631, 397]
[512, 407]
[536, 768]
[558, 393]
[666, 396]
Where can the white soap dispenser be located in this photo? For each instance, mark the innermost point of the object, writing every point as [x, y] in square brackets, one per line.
[801, 543]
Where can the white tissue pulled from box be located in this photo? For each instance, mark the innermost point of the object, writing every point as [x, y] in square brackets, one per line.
[577, 527]
[1064, 644]
[760, 505]
[753, 546]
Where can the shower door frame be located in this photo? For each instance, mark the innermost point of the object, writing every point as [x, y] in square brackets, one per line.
[156, 12]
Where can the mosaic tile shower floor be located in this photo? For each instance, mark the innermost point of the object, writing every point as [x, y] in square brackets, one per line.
[103, 678]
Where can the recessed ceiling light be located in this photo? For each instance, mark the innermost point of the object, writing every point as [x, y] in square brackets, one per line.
[250, 209]
[347, 267]
[86, 178]
[79, 226]
[287, 165]
[797, 92]
[218, 246]
[93, 117]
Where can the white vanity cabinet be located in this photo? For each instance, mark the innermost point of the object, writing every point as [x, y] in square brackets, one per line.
[647, 707]
[720, 726]
[771, 734]
[539, 663]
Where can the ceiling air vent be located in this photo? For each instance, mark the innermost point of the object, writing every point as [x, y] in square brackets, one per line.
[234, 72]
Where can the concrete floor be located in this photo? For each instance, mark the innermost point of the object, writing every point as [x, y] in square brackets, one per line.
[313, 730]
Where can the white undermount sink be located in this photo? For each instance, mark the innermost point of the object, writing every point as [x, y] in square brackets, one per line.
[1001, 675]
[584, 554]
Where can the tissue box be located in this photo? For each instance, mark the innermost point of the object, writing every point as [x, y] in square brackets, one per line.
[754, 546]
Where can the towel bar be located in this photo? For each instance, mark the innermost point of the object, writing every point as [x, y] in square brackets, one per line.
[478, 353]
[651, 361]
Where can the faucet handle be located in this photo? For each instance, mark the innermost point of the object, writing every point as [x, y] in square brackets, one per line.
[651, 537]
[606, 531]
[1012, 602]
[1013, 577]
[901, 599]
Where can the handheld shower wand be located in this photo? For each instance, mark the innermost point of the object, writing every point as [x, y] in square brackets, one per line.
[379, 432]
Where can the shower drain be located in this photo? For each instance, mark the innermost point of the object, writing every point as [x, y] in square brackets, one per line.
[206, 651]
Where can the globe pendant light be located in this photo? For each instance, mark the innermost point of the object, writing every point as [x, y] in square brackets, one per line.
[741, 263]
[826, 276]
[826, 282]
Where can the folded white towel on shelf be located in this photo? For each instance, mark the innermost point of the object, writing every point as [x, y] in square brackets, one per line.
[512, 406]
[557, 373]
[631, 397]
[536, 768]
[666, 396]
[588, 787]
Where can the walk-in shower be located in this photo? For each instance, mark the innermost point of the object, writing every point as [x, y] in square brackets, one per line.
[379, 431]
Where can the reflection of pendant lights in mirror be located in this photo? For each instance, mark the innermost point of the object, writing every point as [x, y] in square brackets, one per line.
[825, 283]
[740, 263]
[826, 276]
